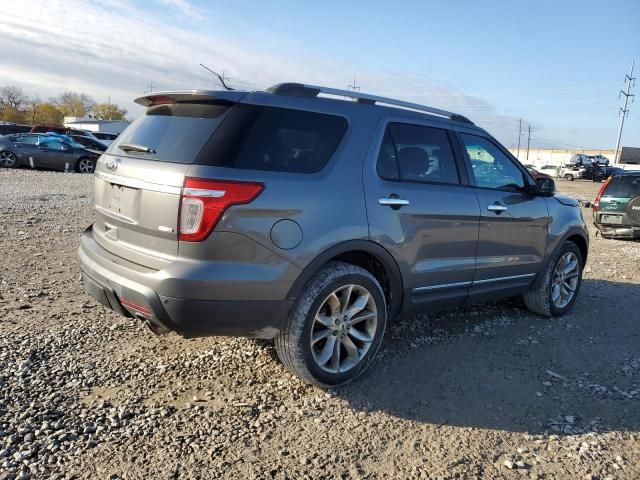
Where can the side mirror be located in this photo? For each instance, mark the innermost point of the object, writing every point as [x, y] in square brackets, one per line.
[545, 187]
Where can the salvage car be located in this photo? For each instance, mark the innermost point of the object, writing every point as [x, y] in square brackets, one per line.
[616, 209]
[315, 221]
[50, 151]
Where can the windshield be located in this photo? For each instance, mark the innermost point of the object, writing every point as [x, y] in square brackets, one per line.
[173, 132]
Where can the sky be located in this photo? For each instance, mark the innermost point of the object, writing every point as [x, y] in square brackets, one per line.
[557, 65]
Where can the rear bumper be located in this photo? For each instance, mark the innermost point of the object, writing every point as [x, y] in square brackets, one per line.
[135, 293]
[618, 231]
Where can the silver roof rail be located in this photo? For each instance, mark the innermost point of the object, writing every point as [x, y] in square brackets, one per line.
[302, 90]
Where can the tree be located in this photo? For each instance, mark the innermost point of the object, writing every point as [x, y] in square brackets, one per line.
[73, 104]
[12, 97]
[109, 111]
[10, 114]
[46, 112]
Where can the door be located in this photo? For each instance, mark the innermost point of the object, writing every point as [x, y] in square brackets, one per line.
[513, 222]
[55, 154]
[26, 149]
[421, 211]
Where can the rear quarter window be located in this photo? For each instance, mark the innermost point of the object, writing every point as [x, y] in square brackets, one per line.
[257, 137]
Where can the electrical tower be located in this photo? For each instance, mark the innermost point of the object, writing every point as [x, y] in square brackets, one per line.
[354, 87]
[150, 87]
[528, 142]
[629, 81]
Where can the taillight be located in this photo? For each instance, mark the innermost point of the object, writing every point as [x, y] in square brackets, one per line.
[596, 202]
[203, 202]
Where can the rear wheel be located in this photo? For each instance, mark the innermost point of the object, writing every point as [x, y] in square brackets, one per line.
[555, 292]
[569, 177]
[8, 159]
[336, 327]
[86, 165]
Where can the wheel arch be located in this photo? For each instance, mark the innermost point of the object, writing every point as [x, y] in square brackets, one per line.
[366, 254]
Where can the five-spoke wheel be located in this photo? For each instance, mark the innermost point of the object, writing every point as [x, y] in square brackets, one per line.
[8, 159]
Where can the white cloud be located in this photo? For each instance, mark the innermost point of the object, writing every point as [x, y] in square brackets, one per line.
[114, 48]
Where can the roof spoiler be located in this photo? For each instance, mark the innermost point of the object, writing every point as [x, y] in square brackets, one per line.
[177, 96]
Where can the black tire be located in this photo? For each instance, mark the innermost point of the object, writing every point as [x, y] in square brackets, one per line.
[293, 343]
[86, 165]
[538, 299]
[8, 159]
[568, 177]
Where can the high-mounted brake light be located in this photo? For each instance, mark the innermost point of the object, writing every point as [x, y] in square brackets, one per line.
[203, 202]
[160, 100]
[596, 202]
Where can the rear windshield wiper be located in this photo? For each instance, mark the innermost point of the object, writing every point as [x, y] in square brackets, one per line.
[134, 147]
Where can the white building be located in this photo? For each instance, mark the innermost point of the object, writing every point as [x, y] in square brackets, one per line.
[539, 157]
[93, 125]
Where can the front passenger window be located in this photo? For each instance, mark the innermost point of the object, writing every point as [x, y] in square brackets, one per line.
[490, 167]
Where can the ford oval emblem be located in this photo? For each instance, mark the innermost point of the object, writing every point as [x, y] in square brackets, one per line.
[112, 164]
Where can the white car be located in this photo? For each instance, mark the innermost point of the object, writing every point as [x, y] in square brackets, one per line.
[571, 172]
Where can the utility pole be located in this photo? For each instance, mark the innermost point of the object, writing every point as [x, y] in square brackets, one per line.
[528, 142]
[519, 136]
[624, 111]
[353, 87]
[150, 87]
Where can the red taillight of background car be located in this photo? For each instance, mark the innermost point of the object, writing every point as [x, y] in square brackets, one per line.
[596, 202]
[203, 202]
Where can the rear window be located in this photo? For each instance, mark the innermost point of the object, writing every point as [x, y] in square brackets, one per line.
[175, 132]
[624, 186]
[278, 139]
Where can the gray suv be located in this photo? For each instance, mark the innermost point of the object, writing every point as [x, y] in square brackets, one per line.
[296, 215]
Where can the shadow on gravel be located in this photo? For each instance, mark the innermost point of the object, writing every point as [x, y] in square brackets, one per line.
[512, 370]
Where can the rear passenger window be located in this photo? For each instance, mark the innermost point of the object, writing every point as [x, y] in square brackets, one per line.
[415, 153]
[278, 139]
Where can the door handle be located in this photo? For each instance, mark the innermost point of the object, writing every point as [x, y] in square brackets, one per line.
[497, 208]
[393, 202]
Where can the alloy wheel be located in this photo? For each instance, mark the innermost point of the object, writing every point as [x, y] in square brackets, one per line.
[565, 280]
[344, 328]
[7, 159]
[86, 165]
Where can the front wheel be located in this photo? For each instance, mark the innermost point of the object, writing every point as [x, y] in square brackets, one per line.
[86, 165]
[556, 291]
[336, 326]
[8, 159]
[569, 177]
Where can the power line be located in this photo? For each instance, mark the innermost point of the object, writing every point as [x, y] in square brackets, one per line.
[628, 79]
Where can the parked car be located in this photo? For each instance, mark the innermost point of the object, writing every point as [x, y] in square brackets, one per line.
[46, 151]
[599, 160]
[616, 209]
[580, 159]
[106, 138]
[571, 172]
[11, 128]
[315, 221]
[536, 174]
[90, 143]
[599, 173]
[59, 129]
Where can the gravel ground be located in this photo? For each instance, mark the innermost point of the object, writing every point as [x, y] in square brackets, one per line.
[490, 391]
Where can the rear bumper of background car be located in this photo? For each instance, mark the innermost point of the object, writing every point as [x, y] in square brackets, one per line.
[619, 231]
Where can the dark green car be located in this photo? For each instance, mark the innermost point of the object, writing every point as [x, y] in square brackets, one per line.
[616, 209]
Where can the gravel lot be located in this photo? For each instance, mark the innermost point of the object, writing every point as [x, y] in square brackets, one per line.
[490, 391]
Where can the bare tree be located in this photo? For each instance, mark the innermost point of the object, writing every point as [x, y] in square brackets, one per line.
[73, 104]
[12, 97]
